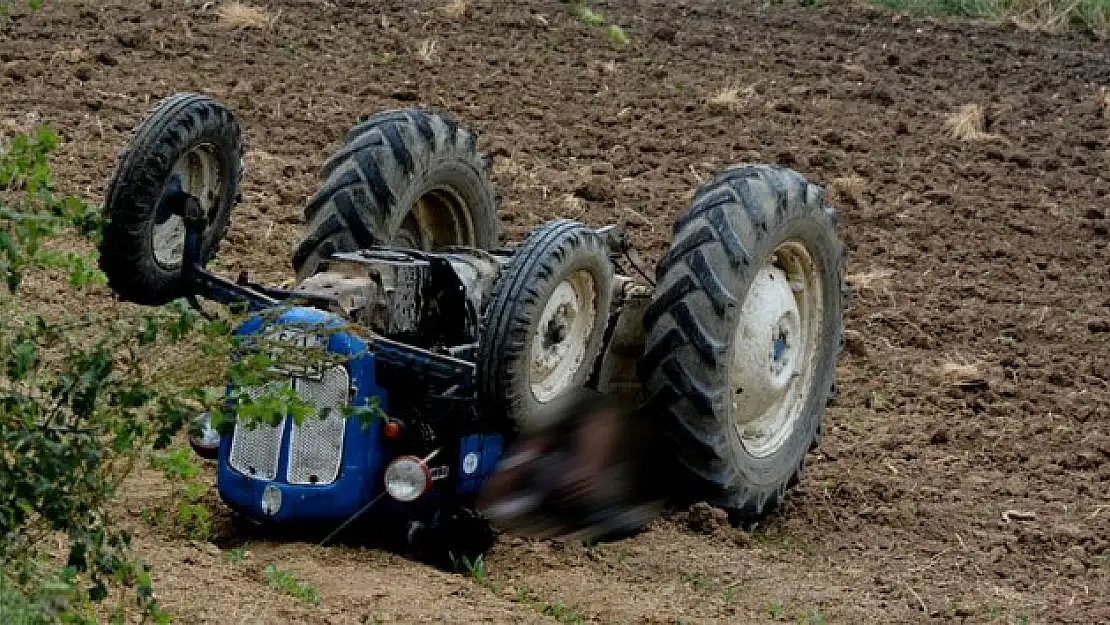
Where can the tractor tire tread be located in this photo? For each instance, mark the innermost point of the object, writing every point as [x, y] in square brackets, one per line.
[689, 324]
[368, 183]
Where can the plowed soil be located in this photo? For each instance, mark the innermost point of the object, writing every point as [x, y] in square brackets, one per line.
[965, 471]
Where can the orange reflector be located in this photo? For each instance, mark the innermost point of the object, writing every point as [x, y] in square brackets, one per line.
[391, 430]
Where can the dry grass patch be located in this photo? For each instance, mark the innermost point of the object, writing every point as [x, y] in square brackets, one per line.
[1056, 16]
[426, 51]
[239, 16]
[968, 123]
[456, 9]
[1041, 16]
[731, 98]
[872, 280]
[964, 374]
[1104, 101]
[872, 285]
[848, 189]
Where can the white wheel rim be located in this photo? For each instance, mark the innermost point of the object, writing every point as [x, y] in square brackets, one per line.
[562, 336]
[774, 354]
[202, 177]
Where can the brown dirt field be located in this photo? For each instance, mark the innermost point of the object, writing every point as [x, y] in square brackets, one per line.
[965, 474]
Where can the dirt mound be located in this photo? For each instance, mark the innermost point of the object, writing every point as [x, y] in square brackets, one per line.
[964, 472]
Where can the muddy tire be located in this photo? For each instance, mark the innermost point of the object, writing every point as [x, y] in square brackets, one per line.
[196, 139]
[544, 326]
[743, 336]
[403, 178]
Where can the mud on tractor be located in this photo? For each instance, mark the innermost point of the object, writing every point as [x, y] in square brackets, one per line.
[411, 302]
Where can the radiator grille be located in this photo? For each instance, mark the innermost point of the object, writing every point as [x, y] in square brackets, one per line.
[255, 449]
[316, 445]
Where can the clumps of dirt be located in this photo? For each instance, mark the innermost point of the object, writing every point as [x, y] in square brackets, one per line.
[854, 344]
[706, 519]
[594, 189]
[968, 123]
[238, 16]
[848, 190]
[22, 70]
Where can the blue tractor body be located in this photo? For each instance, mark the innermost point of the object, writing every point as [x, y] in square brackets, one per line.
[326, 471]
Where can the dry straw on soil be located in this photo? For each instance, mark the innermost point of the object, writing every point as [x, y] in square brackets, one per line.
[731, 98]
[964, 374]
[456, 9]
[426, 51]
[1056, 16]
[968, 123]
[240, 16]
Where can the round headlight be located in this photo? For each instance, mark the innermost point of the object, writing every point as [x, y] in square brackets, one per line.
[406, 478]
[271, 500]
[204, 438]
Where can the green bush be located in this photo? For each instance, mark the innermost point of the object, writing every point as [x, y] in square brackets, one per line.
[80, 405]
[76, 406]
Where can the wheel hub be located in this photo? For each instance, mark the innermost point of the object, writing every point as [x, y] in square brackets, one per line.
[200, 175]
[560, 341]
[775, 340]
[438, 219]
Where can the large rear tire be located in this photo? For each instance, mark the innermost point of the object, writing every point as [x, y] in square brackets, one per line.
[743, 336]
[195, 140]
[403, 178]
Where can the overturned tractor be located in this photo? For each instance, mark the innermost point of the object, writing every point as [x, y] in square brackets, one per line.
[411, 303]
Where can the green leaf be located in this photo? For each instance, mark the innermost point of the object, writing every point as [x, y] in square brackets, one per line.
[148, 332]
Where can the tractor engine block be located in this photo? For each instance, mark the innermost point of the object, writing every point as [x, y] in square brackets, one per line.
[426, 299]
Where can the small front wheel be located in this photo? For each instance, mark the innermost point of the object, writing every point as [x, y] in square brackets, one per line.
[545, 325]
[743, 335]
[189, 143]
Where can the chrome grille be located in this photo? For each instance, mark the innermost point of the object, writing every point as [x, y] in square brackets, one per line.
[316, 445]
[255, 448]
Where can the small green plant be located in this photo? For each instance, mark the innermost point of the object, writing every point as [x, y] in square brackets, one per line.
[183, 472]
[816, 617]
[617, 35]
[290, 585]
[728, 595]
[237, 555]
[476, 568]
[774, 608]
[589, 16]
[6, 6]
[559, 611]
[697, 580]
[592, 18]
